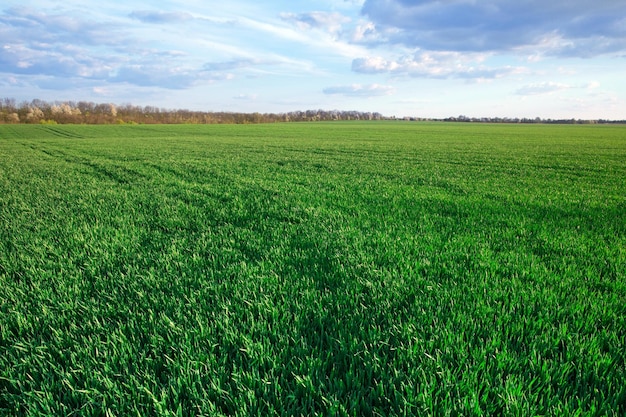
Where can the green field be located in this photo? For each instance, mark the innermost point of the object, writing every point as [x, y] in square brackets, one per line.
[384, 268]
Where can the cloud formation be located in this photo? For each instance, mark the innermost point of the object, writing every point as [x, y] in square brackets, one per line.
[358, 90]
[151, 16]
[149, 76]
[23, 24]
[502, 25]
[247, 97]
[331, 22]
[59, 51]
[231, 65]
[52, 60]
[433, 65]
[54, 45]
[542, 88]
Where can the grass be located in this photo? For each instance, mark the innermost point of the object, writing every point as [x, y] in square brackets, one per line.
[313, 269]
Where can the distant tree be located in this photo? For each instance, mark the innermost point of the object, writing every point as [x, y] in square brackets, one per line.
[9, 105]
[13, 118]
[34, 115]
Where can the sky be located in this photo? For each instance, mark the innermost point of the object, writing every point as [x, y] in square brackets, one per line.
[420, 58]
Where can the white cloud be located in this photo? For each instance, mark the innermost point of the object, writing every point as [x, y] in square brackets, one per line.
[542, 88]
[434, 65]
[364, 31]
[593, 85]
[101, 91]
[245, 97]
[331, 22]
[233, 64]
[151, 16]
[29, 25]
[358, 90]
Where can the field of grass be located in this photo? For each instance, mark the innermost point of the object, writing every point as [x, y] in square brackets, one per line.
[313, 269]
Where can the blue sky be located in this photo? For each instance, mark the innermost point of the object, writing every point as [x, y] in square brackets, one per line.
[425, 58]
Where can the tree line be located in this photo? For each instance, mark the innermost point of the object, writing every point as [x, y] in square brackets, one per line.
[527, 120]
[83, 112]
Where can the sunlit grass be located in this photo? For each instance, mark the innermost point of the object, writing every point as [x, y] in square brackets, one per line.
[313, 269]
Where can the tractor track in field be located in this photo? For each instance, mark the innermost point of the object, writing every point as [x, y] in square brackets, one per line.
[62, 133]
[103, 170]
